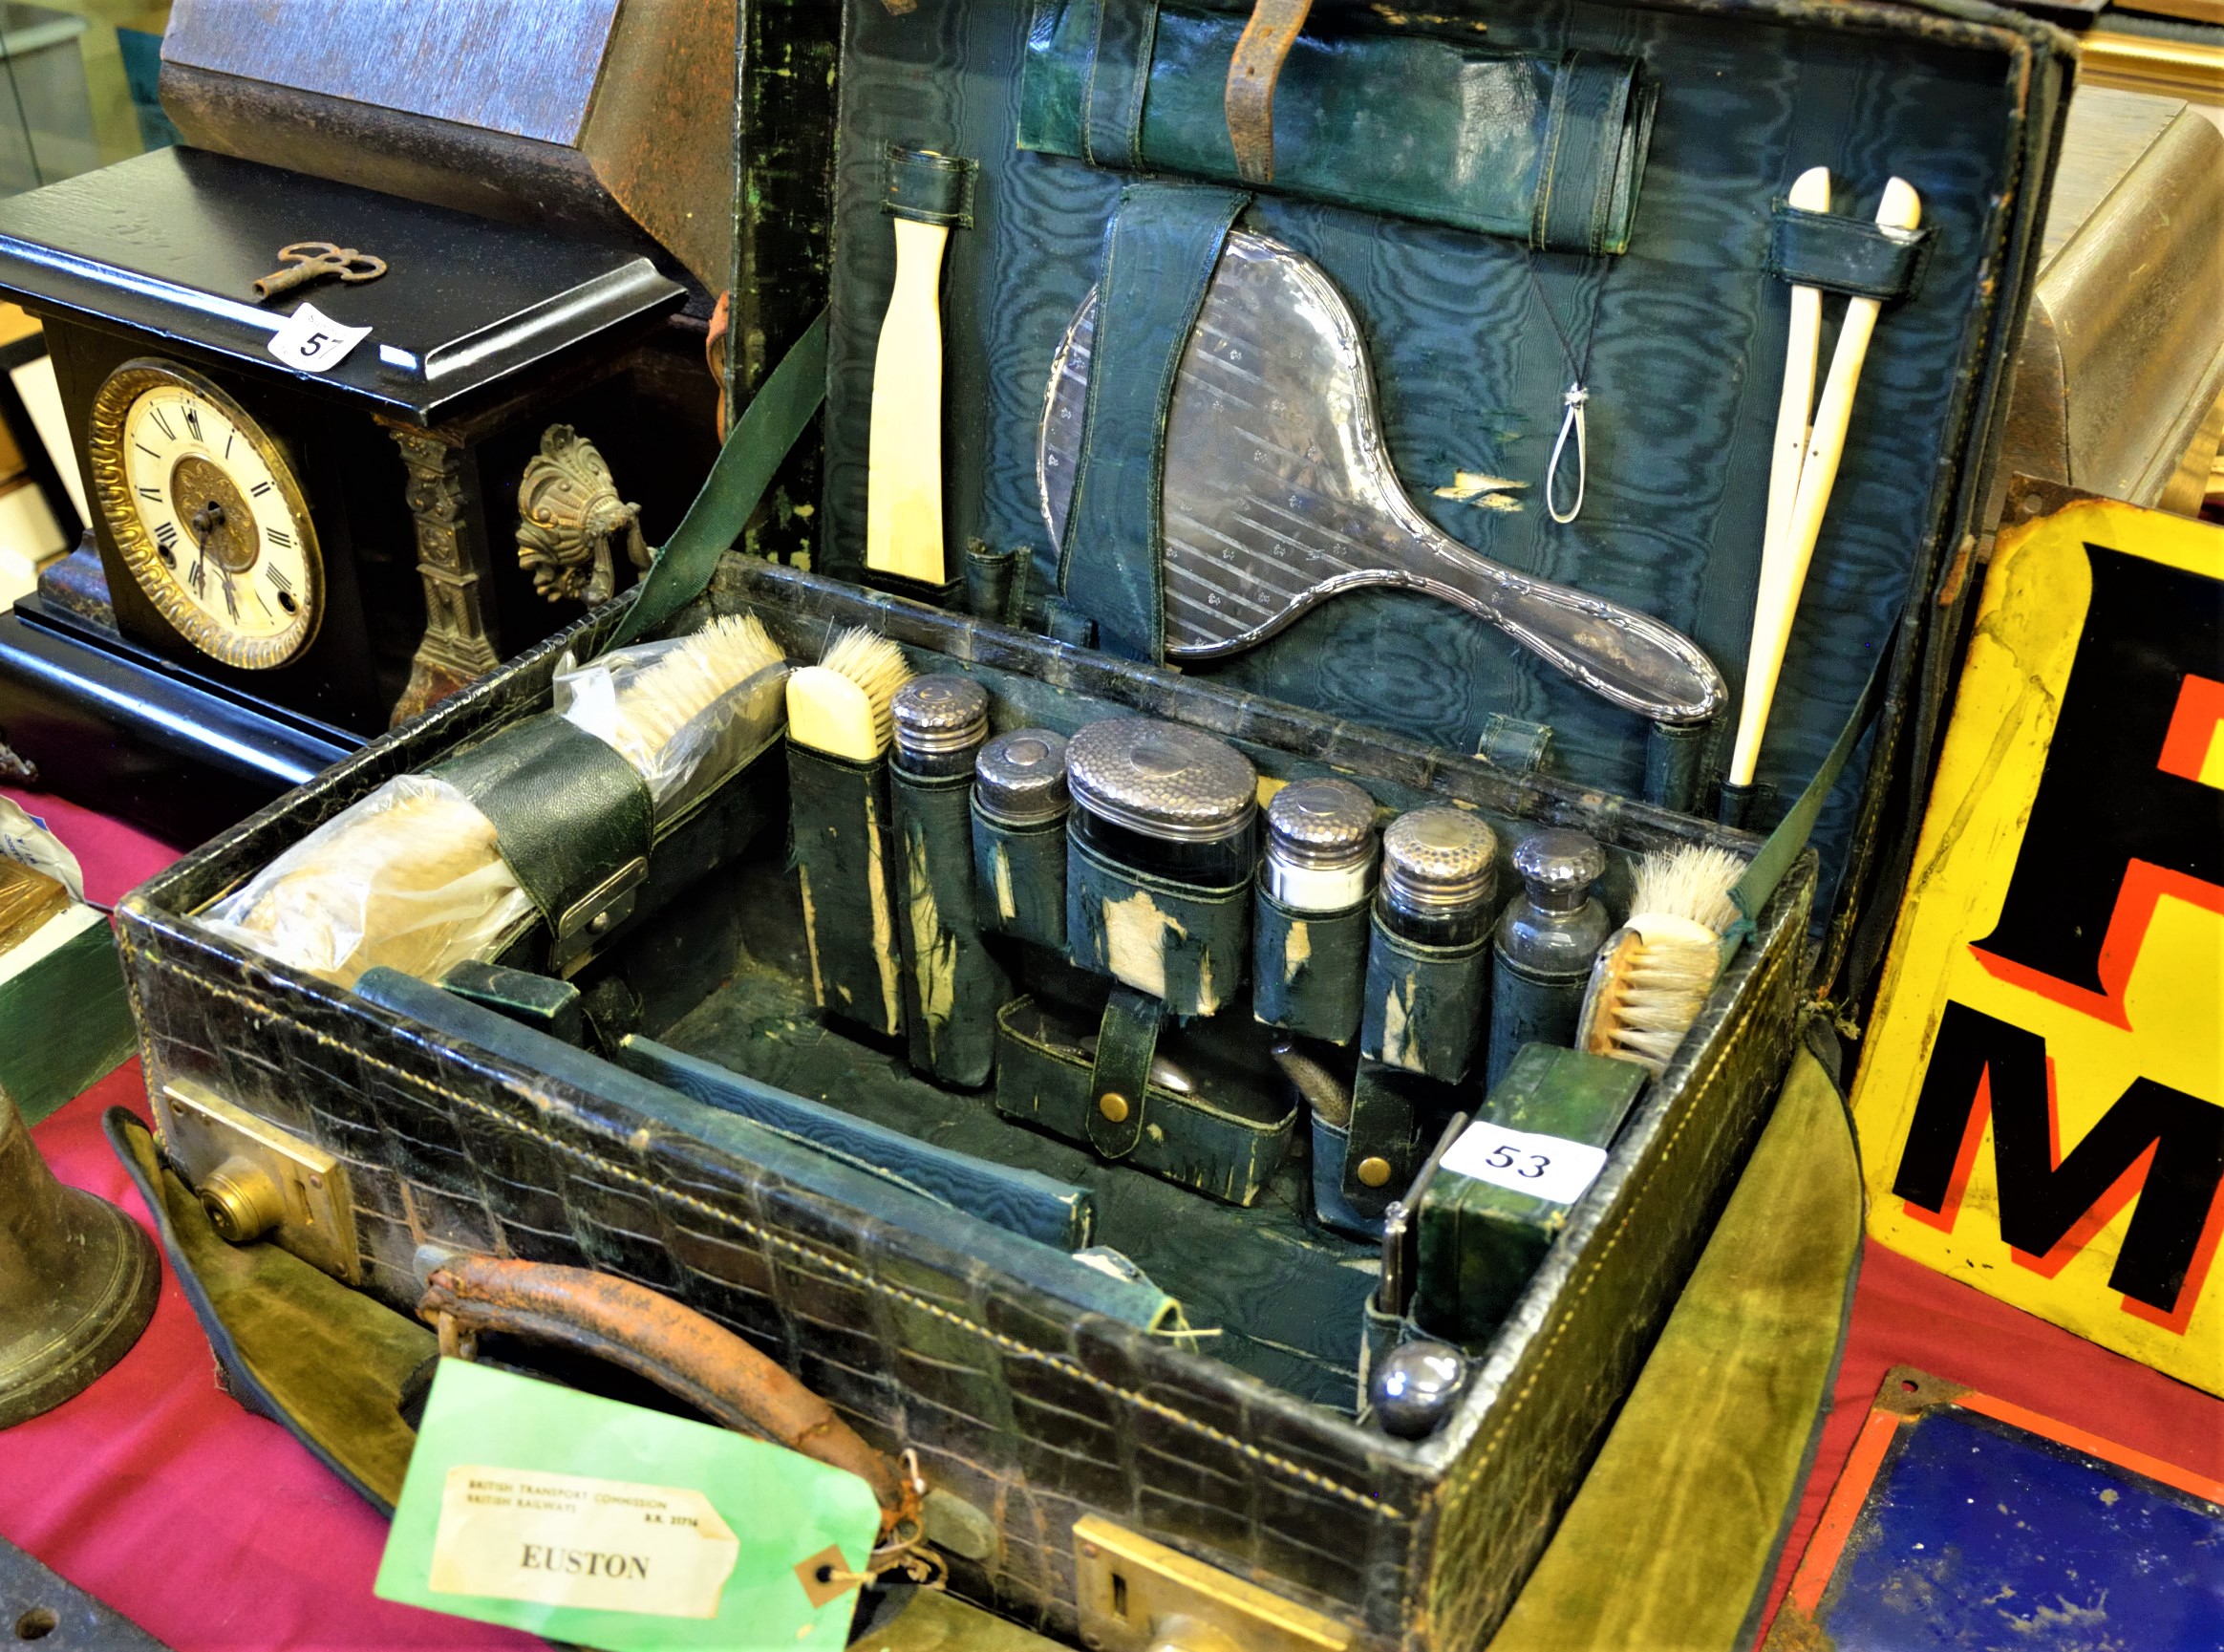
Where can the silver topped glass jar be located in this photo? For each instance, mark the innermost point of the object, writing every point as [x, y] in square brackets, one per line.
[1019, 777]
[1440, 873]
[940, 722]
[1320, 846]
[1163, 799]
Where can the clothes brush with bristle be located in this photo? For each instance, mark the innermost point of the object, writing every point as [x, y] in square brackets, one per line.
[661, 701]
[842, 705]
[1652, 975]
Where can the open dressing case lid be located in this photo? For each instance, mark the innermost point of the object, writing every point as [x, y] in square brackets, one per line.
[1432, 373]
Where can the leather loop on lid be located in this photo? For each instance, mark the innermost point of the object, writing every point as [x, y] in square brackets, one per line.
[1849, 255]
[932, 188]
[1119, 1085]
[1252, 73]
[1119, 81]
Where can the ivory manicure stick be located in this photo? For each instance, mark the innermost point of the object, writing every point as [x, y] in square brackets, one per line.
[1784, 555]
[903, 510]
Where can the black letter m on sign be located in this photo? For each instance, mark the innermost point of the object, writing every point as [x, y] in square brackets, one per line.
[2044, 1201]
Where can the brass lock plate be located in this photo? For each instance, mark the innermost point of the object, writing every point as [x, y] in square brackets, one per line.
[1137, 1596]
[295, 1187]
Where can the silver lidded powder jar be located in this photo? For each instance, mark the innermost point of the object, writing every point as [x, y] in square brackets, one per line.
[1440, 873]
[1019, 779]
[940, 722]
[1320, 846]
[1163, 799]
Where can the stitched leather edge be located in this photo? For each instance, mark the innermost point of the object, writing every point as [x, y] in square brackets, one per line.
[764, 1236]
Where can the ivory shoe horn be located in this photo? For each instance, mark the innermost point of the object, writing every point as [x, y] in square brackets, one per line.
[903, 510]
[1899, 212]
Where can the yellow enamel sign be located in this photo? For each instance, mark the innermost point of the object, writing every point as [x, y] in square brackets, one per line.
[2041, 1103]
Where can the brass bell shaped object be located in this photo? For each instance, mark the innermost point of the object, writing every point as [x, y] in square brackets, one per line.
[78, 1279]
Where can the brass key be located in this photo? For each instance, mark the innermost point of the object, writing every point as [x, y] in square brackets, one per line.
[310, 261]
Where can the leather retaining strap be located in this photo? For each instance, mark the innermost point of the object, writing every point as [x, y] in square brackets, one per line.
[761, 439]
[1252, 73]
[1119, 1082]
[674, 1347]
[1165, 243]
[567, 810]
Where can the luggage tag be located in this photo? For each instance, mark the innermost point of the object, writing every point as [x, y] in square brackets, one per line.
[584, 1520]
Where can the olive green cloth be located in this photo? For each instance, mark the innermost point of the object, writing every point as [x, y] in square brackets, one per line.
[296, 1345]
[1675, 1531]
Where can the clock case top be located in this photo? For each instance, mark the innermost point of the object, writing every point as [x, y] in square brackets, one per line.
[482, 333]
[171, 243]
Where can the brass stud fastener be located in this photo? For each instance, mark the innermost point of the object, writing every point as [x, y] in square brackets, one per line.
[1113, 1106]
[1374, 1173]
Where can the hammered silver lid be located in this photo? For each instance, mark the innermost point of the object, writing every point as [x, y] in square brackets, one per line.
[938, 714]
[1560, 862]
[1321, 822]
[1161, 779]
[1021, 777]
[1438, 857]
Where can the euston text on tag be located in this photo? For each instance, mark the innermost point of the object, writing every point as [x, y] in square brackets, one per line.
[1544, 1167]
[569, 1540]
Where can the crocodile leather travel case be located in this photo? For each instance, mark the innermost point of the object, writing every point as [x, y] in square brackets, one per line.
[1105, 1345]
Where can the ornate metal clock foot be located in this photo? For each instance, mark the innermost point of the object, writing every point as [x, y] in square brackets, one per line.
[457, 649]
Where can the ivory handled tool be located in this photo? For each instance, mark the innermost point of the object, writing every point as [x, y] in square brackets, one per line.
[1785, 559]
[903, 512]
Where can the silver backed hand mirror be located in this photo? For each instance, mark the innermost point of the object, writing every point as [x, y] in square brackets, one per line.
[1279, 494]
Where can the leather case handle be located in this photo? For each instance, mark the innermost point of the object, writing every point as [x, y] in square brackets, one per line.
[1252, 73]
[674, 1346]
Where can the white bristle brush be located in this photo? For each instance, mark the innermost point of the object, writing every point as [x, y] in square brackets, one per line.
[1652, 975]
[665, 698]
[840, 706]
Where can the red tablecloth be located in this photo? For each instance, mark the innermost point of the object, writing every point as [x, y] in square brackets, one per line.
[214, 1530]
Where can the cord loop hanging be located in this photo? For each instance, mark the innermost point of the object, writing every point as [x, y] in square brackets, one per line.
[1573, 400]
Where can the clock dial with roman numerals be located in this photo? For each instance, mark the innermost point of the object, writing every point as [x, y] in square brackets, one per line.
[207, 514]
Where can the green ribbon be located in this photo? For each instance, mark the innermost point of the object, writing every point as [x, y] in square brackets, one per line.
[755, 447]
[1782, 846]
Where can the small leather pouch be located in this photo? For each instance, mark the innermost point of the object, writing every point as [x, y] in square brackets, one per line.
[1224, 1142]
[1424, 1005]
[1019, 878]
[1308, 969]
[846, 861]
[1186, 944]
[951, 984]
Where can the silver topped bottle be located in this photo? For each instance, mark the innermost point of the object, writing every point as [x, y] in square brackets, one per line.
[1320, 846]
[1440, 873]
[1163, 799]
[940, 722]
[1019, 777]
[1545, 942]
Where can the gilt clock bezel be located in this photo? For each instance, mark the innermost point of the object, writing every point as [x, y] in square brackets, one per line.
[111, 491]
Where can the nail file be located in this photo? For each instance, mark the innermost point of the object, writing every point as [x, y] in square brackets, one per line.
[1784, 561]
[902, 512]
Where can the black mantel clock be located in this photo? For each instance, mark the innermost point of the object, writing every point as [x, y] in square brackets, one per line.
[292, 559]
